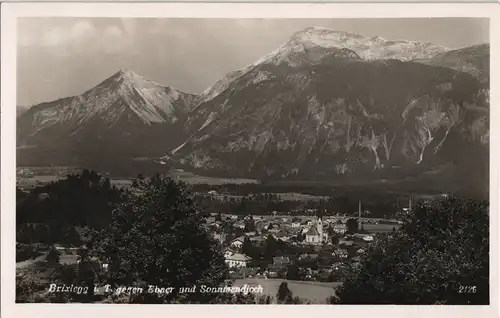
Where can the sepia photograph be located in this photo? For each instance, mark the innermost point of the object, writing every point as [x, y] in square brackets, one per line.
[264, 161]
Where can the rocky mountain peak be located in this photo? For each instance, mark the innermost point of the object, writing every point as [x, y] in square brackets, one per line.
[322, 36]
[123, 97]
[311, 46]
[127, 75]
[367, 47]
[125, 78]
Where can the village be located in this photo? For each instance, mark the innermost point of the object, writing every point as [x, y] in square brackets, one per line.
[306, 248]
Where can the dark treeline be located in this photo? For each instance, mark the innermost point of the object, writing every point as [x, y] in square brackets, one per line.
[265, 204]
[129, 168]
[50, 213]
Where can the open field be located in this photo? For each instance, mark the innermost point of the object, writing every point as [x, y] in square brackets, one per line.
[35, 181]
[30, 262]
[68, 258]
[29, 177]
[291, 196]
[192, 178]
[316, 292]
[380, 228]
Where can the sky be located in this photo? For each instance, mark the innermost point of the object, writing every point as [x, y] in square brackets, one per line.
[60, 57]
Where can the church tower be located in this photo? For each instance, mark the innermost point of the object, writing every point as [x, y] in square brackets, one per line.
[319, 227]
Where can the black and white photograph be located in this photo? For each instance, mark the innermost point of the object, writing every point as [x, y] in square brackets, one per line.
[264, 161]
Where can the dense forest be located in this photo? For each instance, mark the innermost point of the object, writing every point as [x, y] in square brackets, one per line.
[51, 213]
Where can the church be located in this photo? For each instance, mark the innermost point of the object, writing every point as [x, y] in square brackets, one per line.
[315, 234]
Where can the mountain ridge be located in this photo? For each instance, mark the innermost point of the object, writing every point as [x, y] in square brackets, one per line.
[474, 59]
[312, 108]
[270, 121]
[329, 38]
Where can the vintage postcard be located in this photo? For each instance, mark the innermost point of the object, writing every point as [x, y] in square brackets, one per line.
[264, 154]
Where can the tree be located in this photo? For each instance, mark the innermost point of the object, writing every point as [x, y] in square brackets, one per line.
[297, 300]
[241, 298]
[334, 239]
[352, 225]
[284, 295]
[247, 247]
[440, 247]
[218, 217]
[330, 230]
[250, 225]
[268, 300]
[53, 256]
[106, 184]
[156, 238]
[293, 273]
[71, 237]
[42, 234]
[26, 287]
[270, 248]
[25, 252]
[25, 233]
[300, 237]
[87, 274]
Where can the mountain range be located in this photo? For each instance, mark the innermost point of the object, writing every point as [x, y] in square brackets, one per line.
[473, 60]
[325, 105]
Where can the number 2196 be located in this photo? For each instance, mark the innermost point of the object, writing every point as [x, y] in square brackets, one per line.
[467, 289]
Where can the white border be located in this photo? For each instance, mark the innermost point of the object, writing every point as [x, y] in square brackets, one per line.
[11, 11]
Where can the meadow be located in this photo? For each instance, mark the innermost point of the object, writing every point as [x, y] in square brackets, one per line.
[380, 228]
[315, 292]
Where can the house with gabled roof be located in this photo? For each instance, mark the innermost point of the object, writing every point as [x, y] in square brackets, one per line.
[238, 242]
[282, 260]
[257, 239]
[275, 230]
[239, 224]
[237, 260]
[339, 227]
[283, 236]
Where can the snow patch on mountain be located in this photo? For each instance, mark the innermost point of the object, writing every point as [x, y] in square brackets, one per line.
[261, 76]
[208, 121]
[177, 149]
